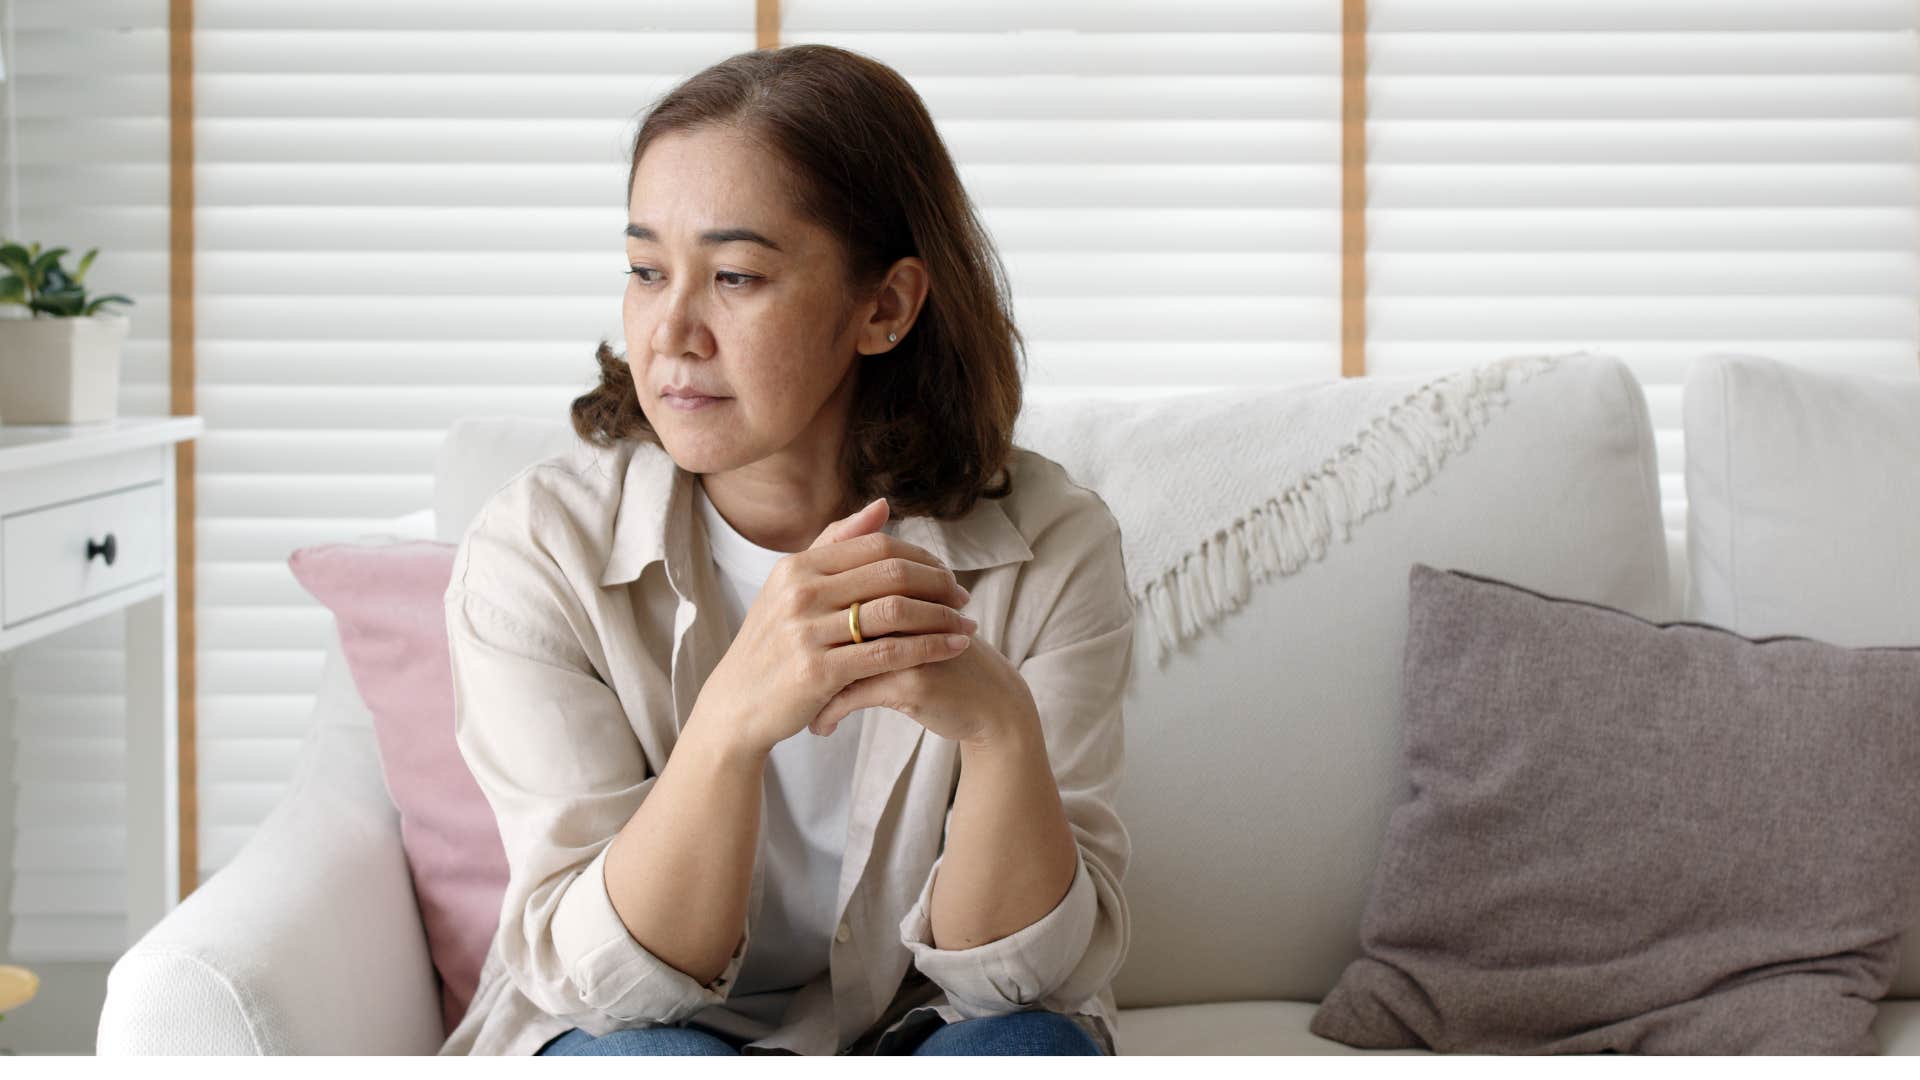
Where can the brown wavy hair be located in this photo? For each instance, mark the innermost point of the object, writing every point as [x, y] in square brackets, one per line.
[931, 429]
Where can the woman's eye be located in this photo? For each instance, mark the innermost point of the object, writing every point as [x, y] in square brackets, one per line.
[731, 279]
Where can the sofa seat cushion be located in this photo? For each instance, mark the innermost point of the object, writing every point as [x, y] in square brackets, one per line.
[1280, 1027]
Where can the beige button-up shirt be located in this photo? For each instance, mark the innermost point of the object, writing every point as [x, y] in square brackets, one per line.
[584, 615]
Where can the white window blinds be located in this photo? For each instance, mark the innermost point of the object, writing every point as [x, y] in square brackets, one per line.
[87, 93]
[1650, 178]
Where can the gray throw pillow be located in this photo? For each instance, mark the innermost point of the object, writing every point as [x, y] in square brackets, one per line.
[1629, 836]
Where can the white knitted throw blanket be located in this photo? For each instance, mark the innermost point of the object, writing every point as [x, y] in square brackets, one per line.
[1217, 490]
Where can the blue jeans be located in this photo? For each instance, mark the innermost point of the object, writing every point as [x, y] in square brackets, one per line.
[1030, 1032]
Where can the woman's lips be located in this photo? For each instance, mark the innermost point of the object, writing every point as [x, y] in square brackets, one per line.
[692, 402]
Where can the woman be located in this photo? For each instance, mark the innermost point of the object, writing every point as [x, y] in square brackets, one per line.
[712, 669]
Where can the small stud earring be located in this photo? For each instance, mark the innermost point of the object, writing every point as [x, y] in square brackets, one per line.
[891, 336]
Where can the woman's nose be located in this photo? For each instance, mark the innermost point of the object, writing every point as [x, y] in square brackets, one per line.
[676, 330]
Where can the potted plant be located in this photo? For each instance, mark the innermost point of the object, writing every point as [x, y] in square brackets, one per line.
[60, 361]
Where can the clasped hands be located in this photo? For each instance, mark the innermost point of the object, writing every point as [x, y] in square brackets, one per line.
[794, 664]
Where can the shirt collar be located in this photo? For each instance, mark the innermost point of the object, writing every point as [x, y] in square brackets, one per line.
[655, 521]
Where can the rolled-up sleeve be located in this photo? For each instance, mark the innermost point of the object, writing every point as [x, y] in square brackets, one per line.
[556, 756]
[1012, 972]
[1077, 673]
[613, 973]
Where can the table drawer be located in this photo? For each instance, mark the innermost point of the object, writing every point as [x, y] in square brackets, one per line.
[45, 549]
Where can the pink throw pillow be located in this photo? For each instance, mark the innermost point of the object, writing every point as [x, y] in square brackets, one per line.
[386, 603]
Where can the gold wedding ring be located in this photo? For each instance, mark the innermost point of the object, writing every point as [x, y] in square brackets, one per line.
[853, 621]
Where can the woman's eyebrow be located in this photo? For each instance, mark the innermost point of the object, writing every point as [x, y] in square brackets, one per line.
[710, 237]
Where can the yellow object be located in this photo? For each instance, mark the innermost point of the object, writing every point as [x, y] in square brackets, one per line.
[853, 622]
[17, 986]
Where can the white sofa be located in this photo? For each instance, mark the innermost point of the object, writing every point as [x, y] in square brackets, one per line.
[1261, 759]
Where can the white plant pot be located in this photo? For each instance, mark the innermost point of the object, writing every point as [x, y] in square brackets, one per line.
[56, 370]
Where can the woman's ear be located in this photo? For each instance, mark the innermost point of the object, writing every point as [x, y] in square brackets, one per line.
[895, 306]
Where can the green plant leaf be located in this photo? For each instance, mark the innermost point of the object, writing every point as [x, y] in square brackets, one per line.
[65, 303]
[110, 298]
[12, 290]
[14, 258]
[85, 261]
[50, 259]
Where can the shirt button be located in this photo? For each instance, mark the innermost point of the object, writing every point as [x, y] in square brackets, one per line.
[843, 933]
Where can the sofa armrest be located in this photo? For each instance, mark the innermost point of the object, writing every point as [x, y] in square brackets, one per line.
[308, 942]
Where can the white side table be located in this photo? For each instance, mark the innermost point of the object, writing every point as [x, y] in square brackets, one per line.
[86, 531]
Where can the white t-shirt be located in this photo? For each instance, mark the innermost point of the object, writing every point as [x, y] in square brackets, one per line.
[809, 786]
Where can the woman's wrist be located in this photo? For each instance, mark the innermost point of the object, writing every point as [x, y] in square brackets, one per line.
[723, 743]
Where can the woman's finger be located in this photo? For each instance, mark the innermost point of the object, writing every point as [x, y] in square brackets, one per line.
[851, 699]
[888, 577]
[866, 519]
[859, 550]
[891, 614]
[851, 663]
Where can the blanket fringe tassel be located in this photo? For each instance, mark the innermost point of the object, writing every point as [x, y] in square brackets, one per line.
[1406, 445]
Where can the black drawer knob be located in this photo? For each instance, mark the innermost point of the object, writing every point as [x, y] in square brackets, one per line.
[106, 548]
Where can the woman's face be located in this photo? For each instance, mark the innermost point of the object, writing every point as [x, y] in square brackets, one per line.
[734, 296]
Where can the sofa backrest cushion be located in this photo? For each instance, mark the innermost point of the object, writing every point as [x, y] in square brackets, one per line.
[1803, 512]
[1262, 756]
[481, 453]
[1803, 501]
